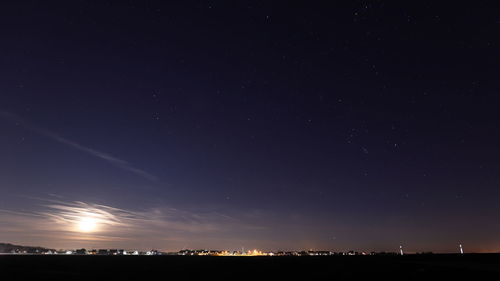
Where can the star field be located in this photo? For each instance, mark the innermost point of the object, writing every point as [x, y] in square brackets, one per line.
[272, 125]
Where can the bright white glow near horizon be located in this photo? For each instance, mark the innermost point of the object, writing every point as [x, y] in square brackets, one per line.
[87, 224]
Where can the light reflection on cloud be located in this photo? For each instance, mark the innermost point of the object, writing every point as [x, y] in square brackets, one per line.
[62, 223]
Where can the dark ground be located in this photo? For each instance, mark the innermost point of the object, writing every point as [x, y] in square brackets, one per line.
[409, 267]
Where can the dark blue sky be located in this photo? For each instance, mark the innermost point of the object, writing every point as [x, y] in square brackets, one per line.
[356, 125]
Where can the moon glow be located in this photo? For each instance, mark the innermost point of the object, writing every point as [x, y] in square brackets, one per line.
[87, 225]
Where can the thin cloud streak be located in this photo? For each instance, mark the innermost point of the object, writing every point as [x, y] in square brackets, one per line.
[60, 221]
[119, 163]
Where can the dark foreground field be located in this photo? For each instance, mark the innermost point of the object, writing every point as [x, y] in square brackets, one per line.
[410, 267]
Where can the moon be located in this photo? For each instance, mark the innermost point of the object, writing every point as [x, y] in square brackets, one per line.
[87, 225]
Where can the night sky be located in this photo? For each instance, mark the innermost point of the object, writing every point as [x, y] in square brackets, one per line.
[359, 125]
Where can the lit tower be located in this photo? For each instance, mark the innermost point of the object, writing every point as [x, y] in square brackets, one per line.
[461, 249]
[401, 250]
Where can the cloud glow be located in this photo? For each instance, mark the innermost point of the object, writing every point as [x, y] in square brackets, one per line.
[96, 225]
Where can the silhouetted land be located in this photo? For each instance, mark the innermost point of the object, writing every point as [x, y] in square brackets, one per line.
[409, 267]
[7, 248]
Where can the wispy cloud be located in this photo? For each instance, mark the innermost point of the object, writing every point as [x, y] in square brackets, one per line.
[117, 162]
[59, 220]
